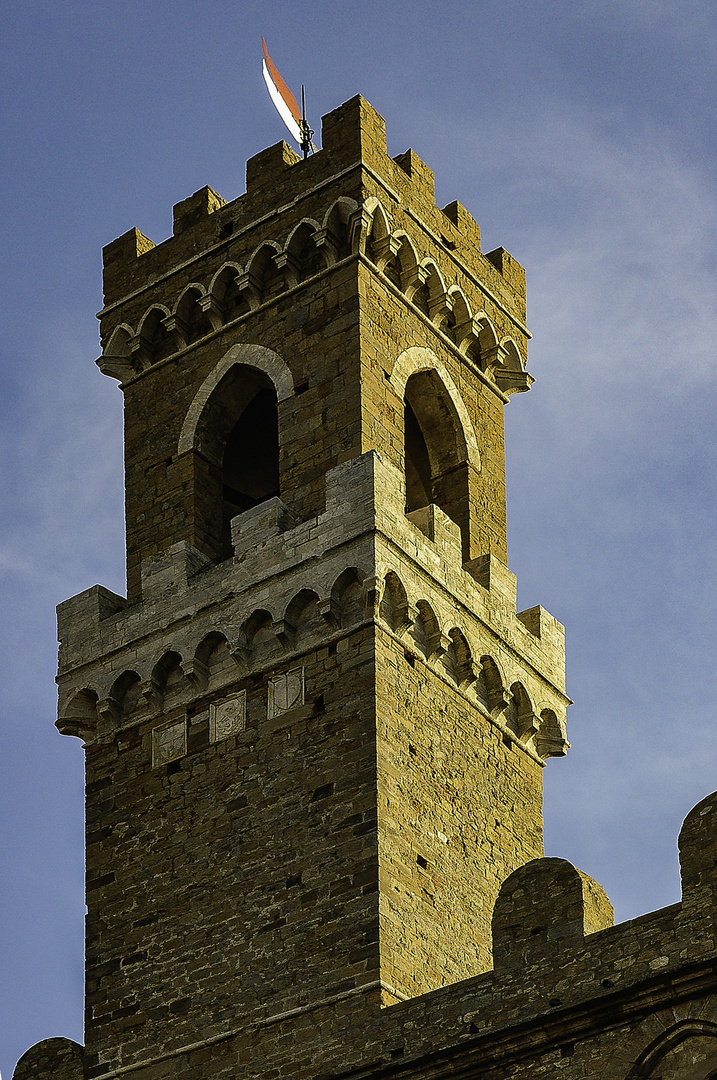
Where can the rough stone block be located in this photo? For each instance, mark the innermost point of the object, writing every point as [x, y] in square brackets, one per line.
[542, 906]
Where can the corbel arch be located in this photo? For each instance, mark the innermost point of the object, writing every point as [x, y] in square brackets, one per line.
[491, 687]
[347, 603]
[116, 359]
[510, 375]
[519, 715]
[381, 246]
[337, 233]
[190, 319]
[304, 257]
[79, 715]
[153, 341]
[402, 267]
[340, 211]
[227, 294]
[263, 273]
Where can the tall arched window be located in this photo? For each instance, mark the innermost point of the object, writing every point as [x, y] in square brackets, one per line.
[435, 451]
[236, 456]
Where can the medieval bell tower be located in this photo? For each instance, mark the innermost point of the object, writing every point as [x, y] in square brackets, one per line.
[315, 727]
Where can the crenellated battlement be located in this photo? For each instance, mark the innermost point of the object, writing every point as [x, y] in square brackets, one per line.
[353, 161]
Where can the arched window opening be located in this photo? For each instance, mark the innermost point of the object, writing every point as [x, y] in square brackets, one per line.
[250, 469]
[436, 464]
[419, 488]
[235, 455]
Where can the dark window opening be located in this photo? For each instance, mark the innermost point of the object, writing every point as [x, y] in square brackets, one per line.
[418, 464]
[435, 455]
[250, 471]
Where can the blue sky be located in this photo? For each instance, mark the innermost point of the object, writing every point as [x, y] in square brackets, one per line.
[581, 135]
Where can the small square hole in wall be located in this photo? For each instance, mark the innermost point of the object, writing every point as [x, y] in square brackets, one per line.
[227, 717]
[286, 691]
[169, 742]
[423, 863]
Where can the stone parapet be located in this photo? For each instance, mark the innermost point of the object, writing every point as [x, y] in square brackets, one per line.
[364, 530]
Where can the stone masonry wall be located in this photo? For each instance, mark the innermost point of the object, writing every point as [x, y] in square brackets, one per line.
[459, 808]
[239, 875]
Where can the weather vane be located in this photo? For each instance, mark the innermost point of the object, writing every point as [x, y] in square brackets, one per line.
[286, 104]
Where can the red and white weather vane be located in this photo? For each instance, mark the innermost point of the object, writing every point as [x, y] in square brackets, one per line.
[286, 104]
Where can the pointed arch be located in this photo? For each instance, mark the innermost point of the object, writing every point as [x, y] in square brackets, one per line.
[380, 225]
[491, 687]
[306, 257]
[519, 716]
[426, 631]
[154, 342]
[394, 608]
[126, 691]
[510, 373]
[214, 664]
[228, 293]
[402, 265]
[458, 660]
[380, 245]
[193, 321]
[264, 271]
[336, 229]
[168, 678]
[347, 598]
[689, 1034]
[260, 634]
[430, 294]
[232, 429]
[302, 618]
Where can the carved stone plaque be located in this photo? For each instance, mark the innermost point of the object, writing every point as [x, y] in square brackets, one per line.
[169, 742]
[227, 717]
[285, 692]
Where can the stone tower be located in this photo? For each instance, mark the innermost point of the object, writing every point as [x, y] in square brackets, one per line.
[316, 726]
